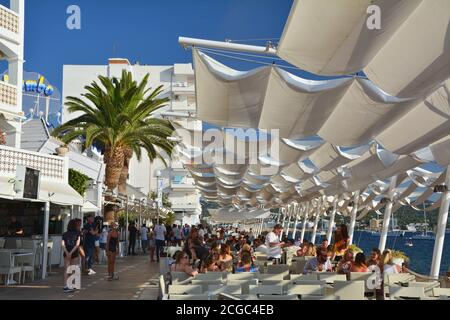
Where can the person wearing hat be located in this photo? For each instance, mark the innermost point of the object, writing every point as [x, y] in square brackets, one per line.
[112, 250]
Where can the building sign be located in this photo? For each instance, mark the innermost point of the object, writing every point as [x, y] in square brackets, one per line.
[38, 86]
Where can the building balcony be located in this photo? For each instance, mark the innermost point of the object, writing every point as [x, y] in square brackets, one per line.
[8, 97]
[51, 168]
[182, 186]
[9, 24]
[183, 88]
[188, 206]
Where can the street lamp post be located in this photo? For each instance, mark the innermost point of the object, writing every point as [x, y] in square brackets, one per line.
[159, 197]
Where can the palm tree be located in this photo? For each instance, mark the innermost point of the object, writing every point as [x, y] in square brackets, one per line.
[118, 117]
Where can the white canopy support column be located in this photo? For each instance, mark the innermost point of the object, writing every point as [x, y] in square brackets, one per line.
[294, 231]
[284, 219]
[261, 227]
[316, 223]
[302, 236]
[441, 225]
[330, 226]
[289, 213]
[45, 240]
[353, 216]
[387, 214]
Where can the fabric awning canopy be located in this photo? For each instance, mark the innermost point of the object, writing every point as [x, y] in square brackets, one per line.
[59, 193]
[89, 207]
[333, 38]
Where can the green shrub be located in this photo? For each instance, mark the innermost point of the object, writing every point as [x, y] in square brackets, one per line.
[78, 181]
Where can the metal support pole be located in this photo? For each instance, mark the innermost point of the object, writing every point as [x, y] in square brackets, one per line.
[282, 223]
[302, 236]
[126, 226]
[330, 227]
[440, 232]
[316, 223]
[353, 216]
[387, 214]
[45, 240]
[294, 231]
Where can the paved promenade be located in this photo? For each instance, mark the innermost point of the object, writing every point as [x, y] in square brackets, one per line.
[138, 280]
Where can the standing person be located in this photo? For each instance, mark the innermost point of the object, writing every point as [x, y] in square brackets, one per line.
[341, 241]
[160, 236]
[70, 244]
[151, 245]
[273, 243]
[81, 248]
[112, 247]
[90, 233]
[186, 231]
[176, 235]
[132, 238]
[144, 238]
[103, 240]
[201, 231]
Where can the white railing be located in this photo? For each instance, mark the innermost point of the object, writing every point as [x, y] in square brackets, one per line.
[52, 168]
[8, 94]
[9, 19]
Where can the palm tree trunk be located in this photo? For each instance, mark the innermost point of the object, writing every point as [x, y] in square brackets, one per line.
[128, 154]
[114, 160]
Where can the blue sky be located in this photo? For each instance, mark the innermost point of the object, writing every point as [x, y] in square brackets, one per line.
[140, 30]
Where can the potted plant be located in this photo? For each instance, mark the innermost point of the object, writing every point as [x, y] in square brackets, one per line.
[399, 257]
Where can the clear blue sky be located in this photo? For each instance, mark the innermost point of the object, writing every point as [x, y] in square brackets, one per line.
[140, 30]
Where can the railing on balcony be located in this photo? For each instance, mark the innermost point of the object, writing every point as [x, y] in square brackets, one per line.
[52, 168]
[9, 19]
[8, 94]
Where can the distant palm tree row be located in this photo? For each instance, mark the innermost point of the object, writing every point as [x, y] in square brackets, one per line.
[117, 115]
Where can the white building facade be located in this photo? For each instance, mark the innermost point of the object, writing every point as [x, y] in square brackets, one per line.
[12, 50]
[178, 85]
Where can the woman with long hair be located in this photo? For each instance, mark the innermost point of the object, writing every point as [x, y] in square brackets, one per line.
[181, 264]
[70, 244]
[209, 265]
[387, 264]
[345, 264]
[225, 258]
[341, 241]
[246, 264]
[112, 250]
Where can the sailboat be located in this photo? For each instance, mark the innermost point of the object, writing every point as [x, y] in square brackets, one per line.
[409, 243]
[425, 235]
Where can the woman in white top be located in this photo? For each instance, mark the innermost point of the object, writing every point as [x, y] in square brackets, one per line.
[388, 266]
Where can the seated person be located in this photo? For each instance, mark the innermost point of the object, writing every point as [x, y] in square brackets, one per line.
[15, 228]
[345, 264]
[360, 263]
[246, 264]
[320, 263]
[260, 246]
[181, 264]
[209, 265]
[225, 258]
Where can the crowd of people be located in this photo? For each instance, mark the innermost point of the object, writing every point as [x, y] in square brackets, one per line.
[222, 249]
[232, 250]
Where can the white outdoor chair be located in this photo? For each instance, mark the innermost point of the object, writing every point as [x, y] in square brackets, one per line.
[395, 278]
[185, 289]
[300, 277]
[8, 268]
[331, 277]
[162, 286]
[178, 277]
[278, 268]
[265, 289]
[2, 243]
[406, 292]
[210, 276]
[205, 283]
[349, 290]
[273, 277]
[307, 289]
[190, 297]
[243, 283]
[312, 297]
[243, 276]
[437, 292]
[216, 289]
[278, 297]
[27, 265]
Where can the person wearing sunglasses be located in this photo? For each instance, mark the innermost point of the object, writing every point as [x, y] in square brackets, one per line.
[181, 264]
